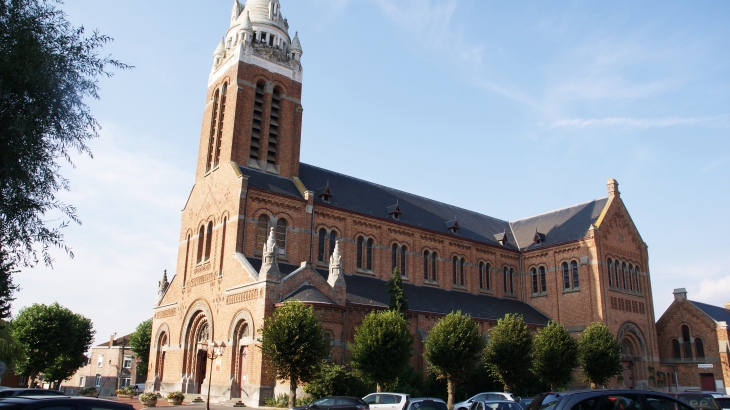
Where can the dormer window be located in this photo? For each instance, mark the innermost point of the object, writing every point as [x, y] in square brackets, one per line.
[394, 211]
[453, 226]
[325, 194]
[501, 238]
[539, 238]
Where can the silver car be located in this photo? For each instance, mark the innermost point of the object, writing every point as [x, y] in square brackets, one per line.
[387, 401]
[491, 396]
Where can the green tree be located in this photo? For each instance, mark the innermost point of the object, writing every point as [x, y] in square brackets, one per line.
[555, 355]
[47, 70]
[10, 352]
[334, 380]
[453, 347]
[508, 355]
[382, 347]
[7, 287]
[599, 354]
[398, 299]
[53, 341]
[293, 343]
[139, 342]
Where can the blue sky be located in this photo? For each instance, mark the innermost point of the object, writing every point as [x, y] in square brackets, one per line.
[507, 108]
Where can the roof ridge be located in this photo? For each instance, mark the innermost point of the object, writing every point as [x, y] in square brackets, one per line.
[557, 210]
[409, 193]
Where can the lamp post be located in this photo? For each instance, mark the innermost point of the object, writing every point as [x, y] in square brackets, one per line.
[216, 352]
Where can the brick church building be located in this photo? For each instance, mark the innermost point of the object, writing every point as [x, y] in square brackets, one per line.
[260, 228]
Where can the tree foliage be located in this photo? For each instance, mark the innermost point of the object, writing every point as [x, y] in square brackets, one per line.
[47, 69]
[139, 342]
[398, 299]
[555, 355]
[599, 354]
[453, 347]
[334, 380]
[382, 347]
[293, 344]
[508, 355]
[7, 287]
[10, 352]
[53, 341]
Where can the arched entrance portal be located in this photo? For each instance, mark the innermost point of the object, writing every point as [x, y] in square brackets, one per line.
[195, 359]
[633, 356]
[241, 343]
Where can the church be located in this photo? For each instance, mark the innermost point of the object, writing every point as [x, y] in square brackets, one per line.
[260, 228]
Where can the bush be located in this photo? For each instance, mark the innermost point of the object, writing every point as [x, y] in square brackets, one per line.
[87, 390]
[282, 400]
[147, 397]
[125, 390]
[335, 380]
[175, 395]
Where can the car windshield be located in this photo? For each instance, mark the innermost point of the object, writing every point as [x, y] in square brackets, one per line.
[502, 406]
[548, 401]
[327, 401]
[427, 405]
[698, 401]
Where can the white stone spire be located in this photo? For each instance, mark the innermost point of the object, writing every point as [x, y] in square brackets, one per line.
[270, 261]
[236, 11]
[162, 287]
[336, 277]
[247, 22]
[296, 47]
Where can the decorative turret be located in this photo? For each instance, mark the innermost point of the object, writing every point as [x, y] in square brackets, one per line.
[219, 53]
[296, 47]
[336, 277]
[270, 262]
[612, 185]
[237, 8]
[162, 287]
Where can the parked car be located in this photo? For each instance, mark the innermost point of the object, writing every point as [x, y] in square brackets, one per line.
[426, 403]
[698, 400]
[19, 391]
[335, 403]
[464, 405]
[525, 401]
[387, 401]
[607, 400]
[711, 393]
[495, 405]
[724, 402]
[60, 402]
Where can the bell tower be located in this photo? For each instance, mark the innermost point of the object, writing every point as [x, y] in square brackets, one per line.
[253, 113]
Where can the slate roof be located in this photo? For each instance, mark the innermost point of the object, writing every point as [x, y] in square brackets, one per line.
[367, 198]
[717, 313]
[117, 341]
[559, 226]
[365, 290]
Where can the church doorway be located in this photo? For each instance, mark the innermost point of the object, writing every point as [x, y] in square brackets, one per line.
[240, 361]
[201, 361]
[707, 381]
[628, 374]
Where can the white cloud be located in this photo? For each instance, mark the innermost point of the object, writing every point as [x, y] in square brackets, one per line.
[641, 123]
[714, 291]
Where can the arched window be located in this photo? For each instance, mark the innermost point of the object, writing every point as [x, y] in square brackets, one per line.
[213, 123]
[505, 272]
[488, 276]
[434, 256]
[638, 278]
[631, 277]
[370, 253]
[624, 270]
[574, 268]
[455, 265]
[676, 351]
[566, 276]
[394, 257]
[258, 111]
[481, 275]
[403, 266]
[321, 238]
[262, 231]
[201, 244]
[699, 348]
[426, 262]
[616, 274]
[533, 273]
[281, 235]
[223, 245]
[543, 279]
[187, 255]
[208, 239]
[687, 342]
[462, 276]
[610, 275]
[273, 127]
[511, 281]
[360, 244]
[333, 241]
[221, 116]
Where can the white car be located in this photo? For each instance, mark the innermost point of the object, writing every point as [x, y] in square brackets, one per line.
[386, 401]
[496, 395]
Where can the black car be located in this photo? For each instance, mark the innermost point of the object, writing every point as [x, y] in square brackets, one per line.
[607, 400]
[15, 392]
[697, 399]
[60, 403]
[335, 403]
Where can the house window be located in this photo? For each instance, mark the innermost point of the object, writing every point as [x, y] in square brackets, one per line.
[100, 361]
[97, 380]
[262, 228]
[610, 277]
[281, 235]
[687, 342]
[676, 351]
[126, 381]
[127, 363]
[543, 279]
[321, 238]
[273, 127]
[258, 110]
[81, 382]
[699, 348]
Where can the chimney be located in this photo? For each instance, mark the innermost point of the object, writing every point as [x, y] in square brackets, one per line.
[680, 294]
[111, 340]
[612, 185]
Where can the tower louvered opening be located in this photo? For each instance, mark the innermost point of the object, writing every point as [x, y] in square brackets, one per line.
[211, 138]
[273, 127]
[258, 111]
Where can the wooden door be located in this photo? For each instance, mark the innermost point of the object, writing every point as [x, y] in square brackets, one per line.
[707, 381]
[201, 362]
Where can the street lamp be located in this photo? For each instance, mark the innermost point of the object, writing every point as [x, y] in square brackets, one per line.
[216, 352]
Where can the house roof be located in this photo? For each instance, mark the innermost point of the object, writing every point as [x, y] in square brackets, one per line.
[365, 290]
[117, 341]
[367, 198]
[717, 313]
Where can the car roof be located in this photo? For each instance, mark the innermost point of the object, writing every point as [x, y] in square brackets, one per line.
[387, 392]
[427, 398]
[23, 399]
[496, 401]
